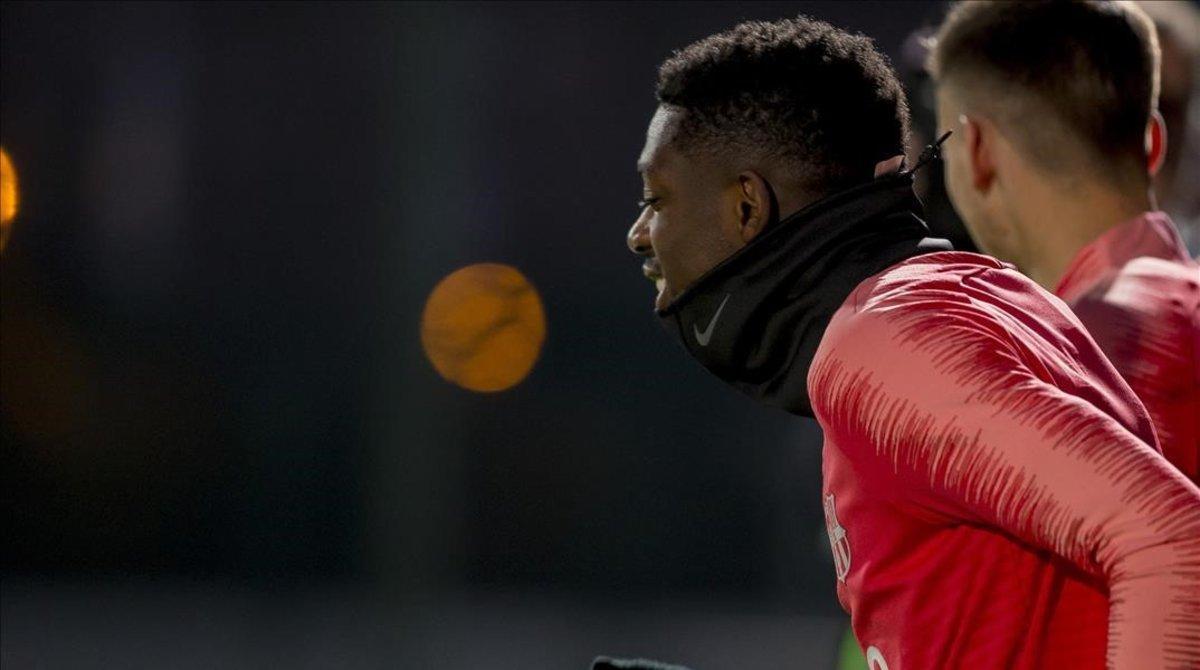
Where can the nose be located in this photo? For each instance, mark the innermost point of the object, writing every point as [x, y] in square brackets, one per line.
[638, 238]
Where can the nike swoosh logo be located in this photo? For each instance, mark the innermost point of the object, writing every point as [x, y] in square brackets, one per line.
[706, 335]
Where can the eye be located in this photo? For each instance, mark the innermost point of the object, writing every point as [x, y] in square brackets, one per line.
[647, 202]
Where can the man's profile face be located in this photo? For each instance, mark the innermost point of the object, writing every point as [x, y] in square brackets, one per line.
[683, 227]
[967, 200]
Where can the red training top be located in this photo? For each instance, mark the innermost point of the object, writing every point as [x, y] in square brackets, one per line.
[992, 492]
[1138, 292]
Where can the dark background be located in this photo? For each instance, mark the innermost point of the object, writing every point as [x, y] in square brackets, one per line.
[222, 444]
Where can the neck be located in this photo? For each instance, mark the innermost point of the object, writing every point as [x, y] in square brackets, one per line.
[1056, 224]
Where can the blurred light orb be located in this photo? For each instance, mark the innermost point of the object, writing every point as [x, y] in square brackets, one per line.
[483, 327]
[8, 196]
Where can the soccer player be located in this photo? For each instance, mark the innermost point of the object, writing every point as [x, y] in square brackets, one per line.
[1058, 139]
[992, 489]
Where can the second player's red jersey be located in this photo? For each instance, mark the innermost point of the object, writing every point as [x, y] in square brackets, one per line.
[1138, 292]
[993, 493]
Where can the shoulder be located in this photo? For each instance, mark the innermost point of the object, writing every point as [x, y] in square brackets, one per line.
[1146, 318]
[935, 320]
[1145, 292]
[927, 273]
[930, 298]
[1175, 283]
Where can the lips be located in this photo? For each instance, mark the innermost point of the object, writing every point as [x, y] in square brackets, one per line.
[653, 272]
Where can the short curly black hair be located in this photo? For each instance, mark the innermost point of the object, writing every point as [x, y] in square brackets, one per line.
[822, 102]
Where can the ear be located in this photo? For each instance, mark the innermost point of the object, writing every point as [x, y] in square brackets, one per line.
[979, 142]
[1156, 143]
[754, 205]
[889, 166]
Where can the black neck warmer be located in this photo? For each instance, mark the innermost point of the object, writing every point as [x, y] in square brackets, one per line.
[756, 319]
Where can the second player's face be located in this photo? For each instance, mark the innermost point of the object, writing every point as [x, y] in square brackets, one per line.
[973, 207]
[679, 230]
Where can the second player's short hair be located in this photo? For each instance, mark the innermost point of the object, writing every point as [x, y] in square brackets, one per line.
[820, 101]
[1083, 69]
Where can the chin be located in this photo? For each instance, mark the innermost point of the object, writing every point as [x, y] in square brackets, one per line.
[665, 295]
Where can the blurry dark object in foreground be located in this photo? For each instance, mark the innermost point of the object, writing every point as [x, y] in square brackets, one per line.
[605, 663]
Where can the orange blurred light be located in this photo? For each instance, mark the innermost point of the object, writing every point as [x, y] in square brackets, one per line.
[8, 196]
[483, 327]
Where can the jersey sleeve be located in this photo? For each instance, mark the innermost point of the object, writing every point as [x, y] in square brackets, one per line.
[960, 421]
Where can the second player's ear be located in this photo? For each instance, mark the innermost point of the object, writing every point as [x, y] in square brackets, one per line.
[754, 205]
[1156, 143]
[979, 140]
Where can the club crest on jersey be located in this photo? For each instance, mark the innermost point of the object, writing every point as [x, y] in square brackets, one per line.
[837, 540]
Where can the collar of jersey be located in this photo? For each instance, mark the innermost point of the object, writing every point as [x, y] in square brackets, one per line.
[756, 319]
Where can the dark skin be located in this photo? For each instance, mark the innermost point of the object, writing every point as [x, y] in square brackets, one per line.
[698, 210]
